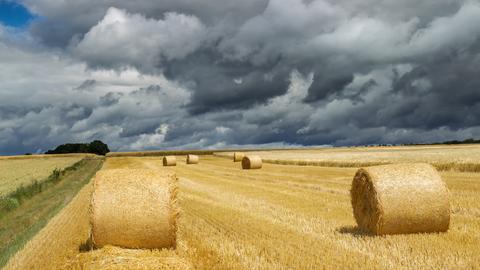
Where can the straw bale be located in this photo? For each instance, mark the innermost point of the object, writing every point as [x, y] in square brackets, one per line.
[134, 208]
[192, 159]
[238, 156]
[400, 199]
[169, 161]
[251, 162]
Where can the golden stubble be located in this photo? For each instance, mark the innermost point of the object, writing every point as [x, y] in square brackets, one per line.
[279, 217]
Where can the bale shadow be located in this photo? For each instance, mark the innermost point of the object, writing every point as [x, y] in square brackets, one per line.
[354, 231]
[86, 246]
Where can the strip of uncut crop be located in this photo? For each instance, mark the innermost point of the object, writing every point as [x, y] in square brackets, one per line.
[17, 172]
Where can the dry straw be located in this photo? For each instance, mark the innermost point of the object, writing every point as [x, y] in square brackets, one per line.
[192, 159]
[169, 161]
[251, 162]
[237, 156]
[134, 208]
[111, 257]
[400, 198]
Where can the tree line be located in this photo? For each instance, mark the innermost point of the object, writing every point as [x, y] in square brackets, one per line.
[95, 147]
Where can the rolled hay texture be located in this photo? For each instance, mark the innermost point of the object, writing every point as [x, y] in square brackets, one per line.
[251, 162]
[169, 161]
[134, 208]
[192, 159]
[400, 199]
[237, 156]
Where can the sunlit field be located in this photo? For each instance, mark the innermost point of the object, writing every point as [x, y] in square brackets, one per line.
[278, 217]
[444, 157]
[15, 172]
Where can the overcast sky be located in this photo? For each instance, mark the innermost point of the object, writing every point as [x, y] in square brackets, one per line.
[149, 74]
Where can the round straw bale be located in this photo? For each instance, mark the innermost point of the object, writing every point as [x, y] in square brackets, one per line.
[237, 156]
[169, 161]
[251, 162]
[134, 208]
[399, 199]
[192, 159]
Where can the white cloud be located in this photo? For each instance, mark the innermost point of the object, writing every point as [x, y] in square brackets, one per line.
[457, 31]
[371, 38]
[122, 39]
[286, 107]
[40, 108]
[323, 30]
[149, 141]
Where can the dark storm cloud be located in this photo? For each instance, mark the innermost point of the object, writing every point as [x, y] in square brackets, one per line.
[86, 85]
[220, 73]
[451, 100]
[356, 95]
[224, 84]
[134, 127]
[110, 99]
[323, 87]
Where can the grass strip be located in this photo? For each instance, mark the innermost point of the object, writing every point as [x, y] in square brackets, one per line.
[40, 204]
[16, 198]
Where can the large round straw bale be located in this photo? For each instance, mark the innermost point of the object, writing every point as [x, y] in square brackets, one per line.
[400, 198]
[251, 162]
[237, 156]
[192, 159]
[169, 161]
[134, 208]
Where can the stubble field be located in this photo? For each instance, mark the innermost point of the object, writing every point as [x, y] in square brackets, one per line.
[443, 157]
[279, 217]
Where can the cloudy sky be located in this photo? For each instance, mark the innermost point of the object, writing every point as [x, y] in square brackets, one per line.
[190, 74]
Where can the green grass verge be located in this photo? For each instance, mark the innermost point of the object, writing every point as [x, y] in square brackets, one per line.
[39, 205]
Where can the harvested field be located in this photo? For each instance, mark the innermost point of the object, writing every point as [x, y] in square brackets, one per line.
[279, 217]
[159, 153]
[444, 157]
[111, 257]
[15, 172]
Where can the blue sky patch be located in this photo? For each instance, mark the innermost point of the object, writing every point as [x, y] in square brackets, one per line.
[14, 14]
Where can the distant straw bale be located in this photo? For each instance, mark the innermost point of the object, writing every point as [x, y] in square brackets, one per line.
[169, 161]
[192, 159]
[399, 199]
[238, 156]
[134, 208]
[251, 162]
